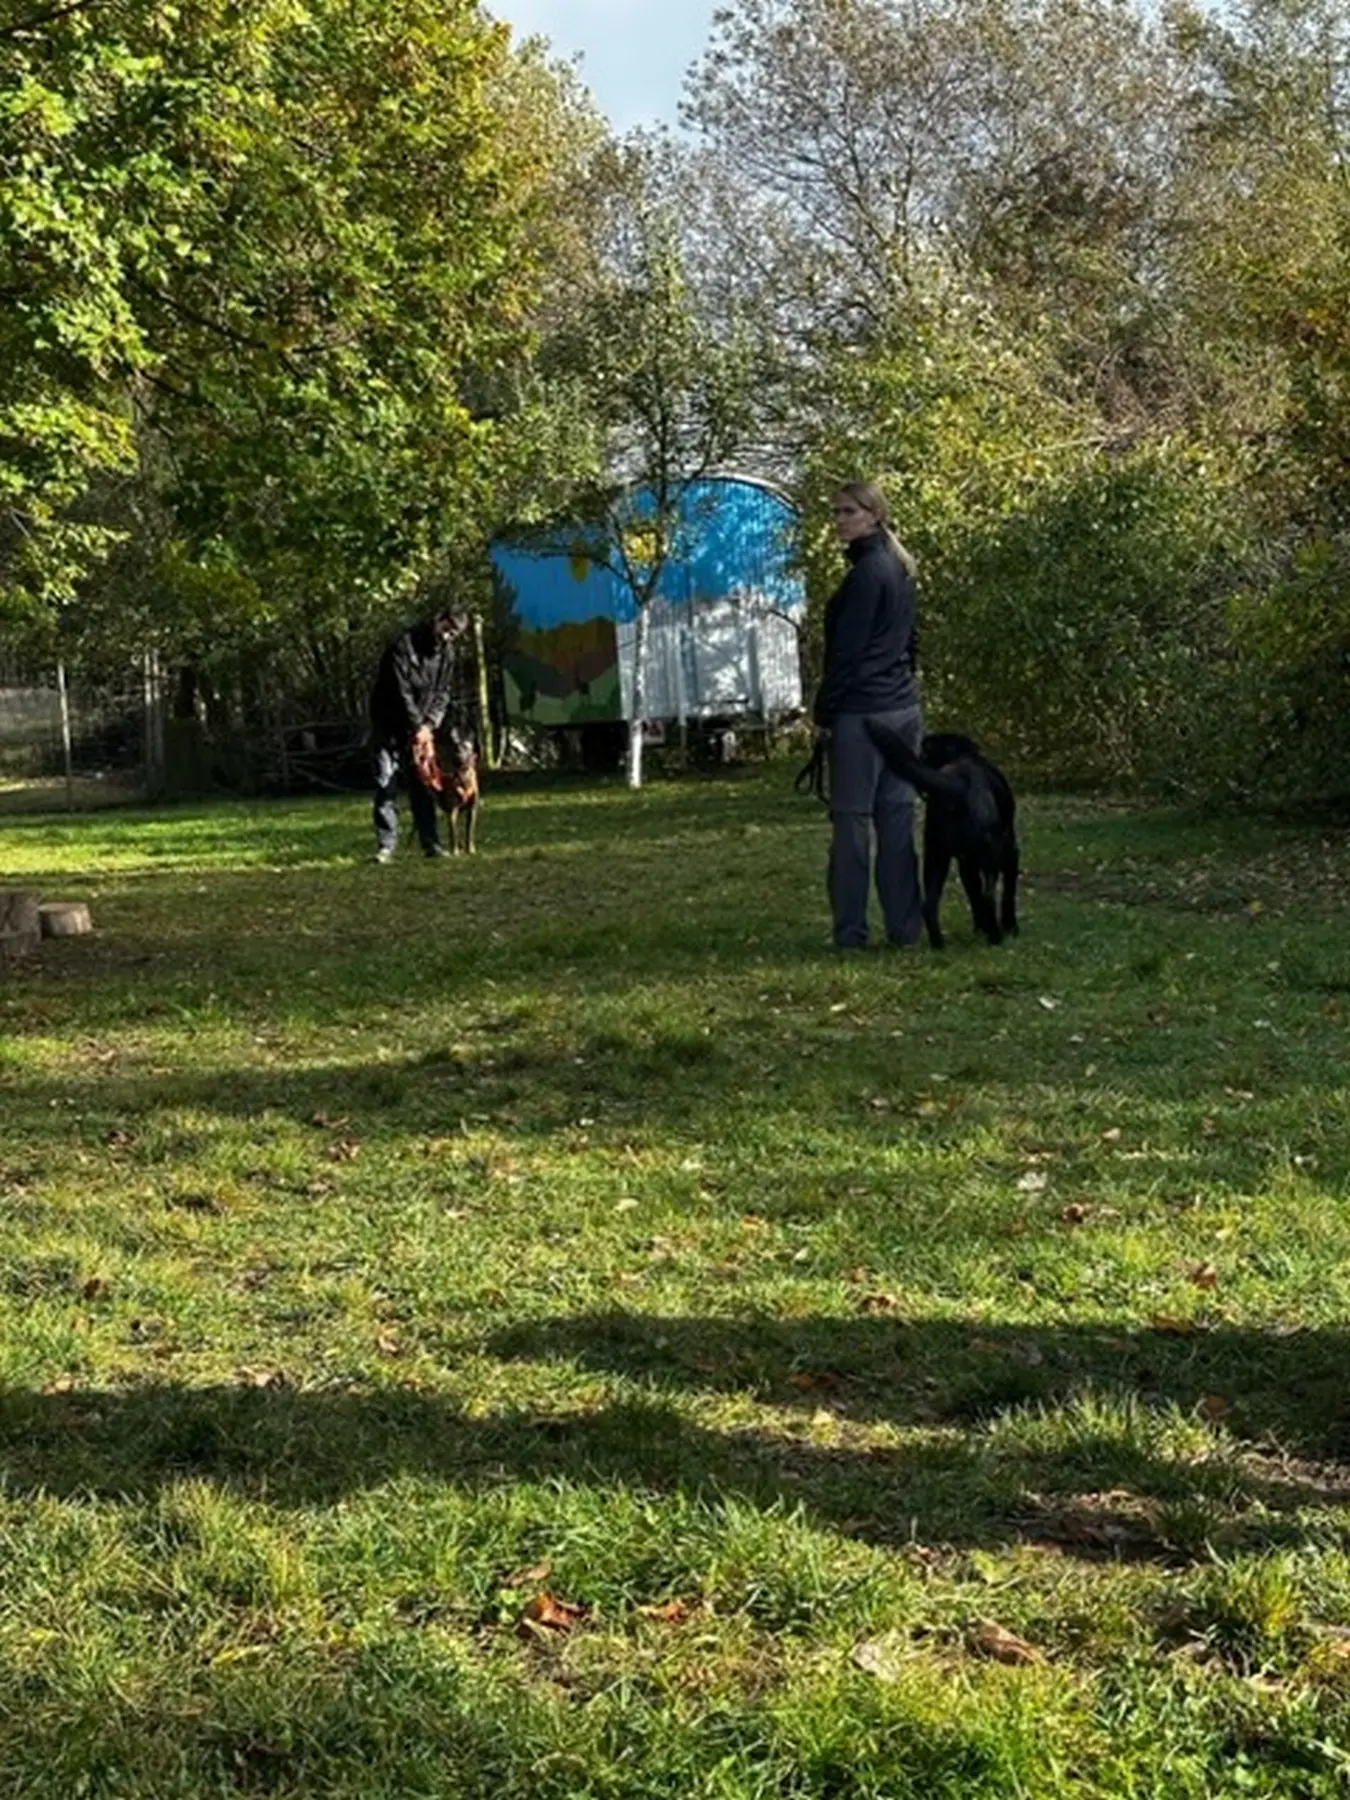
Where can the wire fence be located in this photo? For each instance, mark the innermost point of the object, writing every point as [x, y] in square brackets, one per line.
[82, 731]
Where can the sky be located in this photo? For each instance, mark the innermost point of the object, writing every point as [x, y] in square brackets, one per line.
[634, 52]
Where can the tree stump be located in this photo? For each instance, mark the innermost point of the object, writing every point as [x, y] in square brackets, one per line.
[20, 924]
[64, 918]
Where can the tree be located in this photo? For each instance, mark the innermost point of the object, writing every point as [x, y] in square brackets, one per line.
[276, 273]
[663, 387]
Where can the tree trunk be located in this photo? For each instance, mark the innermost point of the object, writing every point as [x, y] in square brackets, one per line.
[153, 713]
[20, 924]
[638, 716]
[488, 744]
[64, 695]
[64, 918]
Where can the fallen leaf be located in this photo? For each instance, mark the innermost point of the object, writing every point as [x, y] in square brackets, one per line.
[64, 1384]
[345, 1150]
[1112, 1135]
[670, 1612]
[263, 1378]
[1035, 1181]
[883, 1657]
[1076, 1214]
[1171, 1326]
[1215, 1407]
[993, 1640]
[536, 1572]
[96, 1288]
[327, 1123]
[878, 1303]
[1205, 1275]
[197, 1203]
[388, 1345]
[547, 1613]
[1048, 1003]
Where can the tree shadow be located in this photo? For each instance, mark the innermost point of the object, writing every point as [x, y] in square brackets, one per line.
[1013, 1434]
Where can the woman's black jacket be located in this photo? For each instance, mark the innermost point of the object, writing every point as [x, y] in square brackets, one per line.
[871, 635]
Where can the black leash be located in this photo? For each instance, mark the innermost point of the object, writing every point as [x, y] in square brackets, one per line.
[811, 777]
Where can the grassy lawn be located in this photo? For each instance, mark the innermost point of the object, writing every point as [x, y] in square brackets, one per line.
[545, 1326]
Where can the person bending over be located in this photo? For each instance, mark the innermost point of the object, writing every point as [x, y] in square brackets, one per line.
[414, 686]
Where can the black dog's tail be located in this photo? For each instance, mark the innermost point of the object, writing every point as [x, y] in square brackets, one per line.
[910, 766]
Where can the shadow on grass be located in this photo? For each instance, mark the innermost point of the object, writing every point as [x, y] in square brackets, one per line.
[1066, 1437]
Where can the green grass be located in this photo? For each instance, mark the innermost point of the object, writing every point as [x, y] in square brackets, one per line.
[382, 1249]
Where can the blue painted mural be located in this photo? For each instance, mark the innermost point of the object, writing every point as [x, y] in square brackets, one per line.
[734, 544]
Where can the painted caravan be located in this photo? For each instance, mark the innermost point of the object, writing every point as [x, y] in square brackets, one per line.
[722, 625]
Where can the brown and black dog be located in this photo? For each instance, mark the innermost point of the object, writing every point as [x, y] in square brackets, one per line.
[458, 793]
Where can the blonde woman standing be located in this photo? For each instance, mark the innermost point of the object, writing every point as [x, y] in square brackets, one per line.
[871, 671]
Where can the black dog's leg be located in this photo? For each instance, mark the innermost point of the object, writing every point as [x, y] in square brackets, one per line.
[1008, 912]
[980, 893]
[936, 863]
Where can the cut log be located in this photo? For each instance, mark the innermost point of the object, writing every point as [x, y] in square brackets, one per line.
[64, 918]
[20, 925]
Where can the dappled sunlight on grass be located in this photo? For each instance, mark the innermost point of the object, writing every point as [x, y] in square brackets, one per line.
[371, 1238]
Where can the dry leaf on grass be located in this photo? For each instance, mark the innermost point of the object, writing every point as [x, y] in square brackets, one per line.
[546, 1613]
[1205, 1275]
[883, 1657]
[345, 1150]
[669, 1612]
[1215, 1407]
[995, 1641]
[1076, 1214]
[536, 1572]
[1171, 1326]
[195, 1202]
[264, 1378]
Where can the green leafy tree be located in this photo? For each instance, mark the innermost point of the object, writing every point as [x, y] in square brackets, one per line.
[662, 387]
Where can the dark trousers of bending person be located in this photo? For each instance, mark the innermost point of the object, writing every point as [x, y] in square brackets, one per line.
[394, 764]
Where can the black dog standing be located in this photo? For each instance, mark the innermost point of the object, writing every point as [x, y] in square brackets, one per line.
[970, 819]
